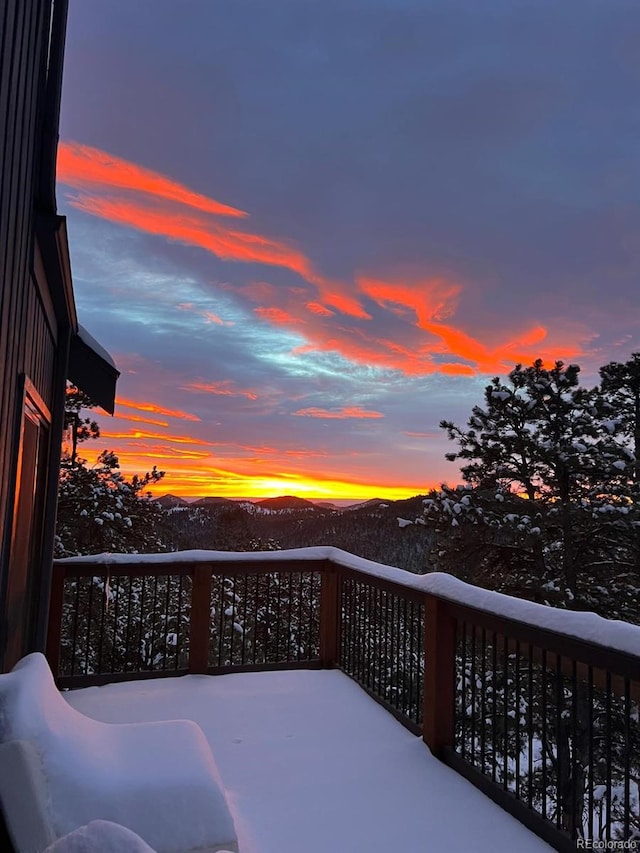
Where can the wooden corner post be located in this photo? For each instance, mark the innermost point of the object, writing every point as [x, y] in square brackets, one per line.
[330, 616]
[200, 619]
[439, 676]
[54, 625]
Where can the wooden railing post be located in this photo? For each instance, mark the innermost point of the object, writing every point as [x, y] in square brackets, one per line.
[330, 612]
[439, 675]
[200, 619]
[54, 626]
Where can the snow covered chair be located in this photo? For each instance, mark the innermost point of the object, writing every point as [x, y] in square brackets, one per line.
[23, 796]
[157, 779]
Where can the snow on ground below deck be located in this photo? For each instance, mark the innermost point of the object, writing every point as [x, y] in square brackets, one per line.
[311, 764]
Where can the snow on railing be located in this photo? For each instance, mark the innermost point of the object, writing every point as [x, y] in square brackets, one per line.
[589, 627]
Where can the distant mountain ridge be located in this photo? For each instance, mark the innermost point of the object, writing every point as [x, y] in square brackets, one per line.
[369, 529]
[170, 501]
[286, 502]
[279, 502]
[213, 501]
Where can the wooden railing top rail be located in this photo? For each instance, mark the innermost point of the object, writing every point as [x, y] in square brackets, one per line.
[543, 626]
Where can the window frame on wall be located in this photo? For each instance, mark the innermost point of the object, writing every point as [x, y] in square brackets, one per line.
[23, 581]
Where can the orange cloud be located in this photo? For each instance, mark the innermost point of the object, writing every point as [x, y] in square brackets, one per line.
[194, 231]
[277, 316]
[213, 318]
[453, 369]
[423, 339]
[158, 410]
[142, 420]
[305, 454]
[344, 303]
[346, 412]
[150, 206]
[209, 316]
[225, 388]
[437, 350]
[432, 299]
[357, 346]
[79, 165]
[320, 310]
[460, 343]
[178, 453]
[89, 169]
[178, 439]
[501, 358]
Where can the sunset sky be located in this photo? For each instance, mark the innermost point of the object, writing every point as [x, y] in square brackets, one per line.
[308, 230]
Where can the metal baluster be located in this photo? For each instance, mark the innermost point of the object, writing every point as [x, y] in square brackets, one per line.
[245, 627]
[300, 616]
[392, 662]
[404, 656]
[103, 610]
[277, 582]
[483, 699]
[89, 612]
[412, 631]
[472, 744]
[166, 621]
[505, 708]
[312, 612]
[385, 667]
[518, 747]
[530, 730]
[221, 617]
[74, 633]
[154, 616]
[463, 691]
[179, 623]
[559, 743]
[590, 741]
[494, 708]
[574, 747]
[128, 661]
[421, 663]
[376, 642]
[544, 745]
[232, 631]
[114, 637]
[627, 757]
[608, 758]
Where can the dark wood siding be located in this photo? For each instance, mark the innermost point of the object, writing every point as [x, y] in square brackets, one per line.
[28, 328]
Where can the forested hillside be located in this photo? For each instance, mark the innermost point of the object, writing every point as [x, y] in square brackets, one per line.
[370, 530]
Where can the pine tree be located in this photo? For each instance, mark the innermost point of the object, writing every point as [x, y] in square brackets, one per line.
[620, 388]
[546, 497]
[80, 428]
[98, 508]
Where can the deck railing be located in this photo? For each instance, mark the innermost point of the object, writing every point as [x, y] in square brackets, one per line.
[518, 698]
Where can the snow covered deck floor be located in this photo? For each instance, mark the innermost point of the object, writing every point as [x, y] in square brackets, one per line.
[311, 764]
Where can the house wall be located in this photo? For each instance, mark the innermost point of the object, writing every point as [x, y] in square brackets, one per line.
[29, 327]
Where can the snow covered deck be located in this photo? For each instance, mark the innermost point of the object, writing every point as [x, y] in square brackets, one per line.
[310, 764]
